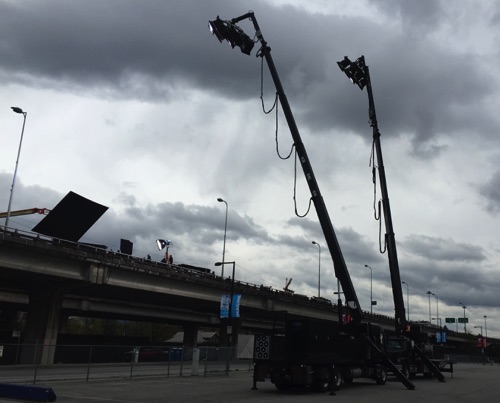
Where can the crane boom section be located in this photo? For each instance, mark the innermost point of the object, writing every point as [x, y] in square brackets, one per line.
[340, 266]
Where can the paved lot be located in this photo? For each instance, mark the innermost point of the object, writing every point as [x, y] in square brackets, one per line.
[470, 383]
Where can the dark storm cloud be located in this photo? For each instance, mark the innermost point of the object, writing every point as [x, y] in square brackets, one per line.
[148, 49]
[490, 191]
[440, 249]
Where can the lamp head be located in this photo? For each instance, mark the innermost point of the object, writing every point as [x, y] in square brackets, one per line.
[17, 109]
[162, 243]
[220, 200]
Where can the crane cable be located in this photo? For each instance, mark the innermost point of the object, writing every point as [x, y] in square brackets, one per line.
[377, 206]
[275, 107]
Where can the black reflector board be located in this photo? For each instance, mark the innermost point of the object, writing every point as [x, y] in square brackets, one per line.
[71, 218]
[126, 246]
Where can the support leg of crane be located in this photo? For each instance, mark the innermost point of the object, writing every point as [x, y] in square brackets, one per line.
[392, 367]
[435, 370]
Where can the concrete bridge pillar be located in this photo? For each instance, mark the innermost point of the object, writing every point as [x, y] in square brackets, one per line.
[42, 324]
[190, 335]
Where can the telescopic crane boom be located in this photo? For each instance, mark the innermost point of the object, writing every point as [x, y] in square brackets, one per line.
[359, 73]
[340, 266]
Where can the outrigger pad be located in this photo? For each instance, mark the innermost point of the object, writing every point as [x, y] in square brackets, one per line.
[71, 218]
[27, 392]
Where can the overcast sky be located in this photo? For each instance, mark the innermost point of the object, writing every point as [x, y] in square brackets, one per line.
[136, 106]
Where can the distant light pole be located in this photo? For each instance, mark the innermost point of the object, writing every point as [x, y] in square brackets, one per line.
[429, 293]
[437, 308]
[407, 299]
[371, 289]
[225, 231]
[319, 267]
[465, 324]
[16, 110]
[481, 329]
[485, 328]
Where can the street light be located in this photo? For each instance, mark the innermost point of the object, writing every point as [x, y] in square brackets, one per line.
[437, 307]
[481, 329]
[371, 289]
[16, 110]
[429, 293]
[485, 328]
[225, 231]
[407, 298]
[319, 266]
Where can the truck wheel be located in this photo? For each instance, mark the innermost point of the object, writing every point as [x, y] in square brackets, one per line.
[336, 378]
[381, 376]
[323, 380]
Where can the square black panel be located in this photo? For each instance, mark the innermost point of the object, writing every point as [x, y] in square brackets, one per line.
[71, 218]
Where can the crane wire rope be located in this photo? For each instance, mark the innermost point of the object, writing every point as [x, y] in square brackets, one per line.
[377, 206]
[275, 107]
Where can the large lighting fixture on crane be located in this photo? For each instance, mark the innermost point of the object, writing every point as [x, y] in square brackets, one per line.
[227, 30]
[355, 71]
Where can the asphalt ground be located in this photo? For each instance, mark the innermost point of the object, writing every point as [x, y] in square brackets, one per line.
[469, 383]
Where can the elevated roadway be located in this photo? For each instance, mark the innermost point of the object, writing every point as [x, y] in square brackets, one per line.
[53, 279]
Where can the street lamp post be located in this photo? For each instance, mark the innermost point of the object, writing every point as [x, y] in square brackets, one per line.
[465, 324]
[371, 289]
[429, 293]
[225, 231]
[407, 299]
[437, 309]
[485, 328]
[319, 267]
[16, 110]
[481, 329]
[230, 330]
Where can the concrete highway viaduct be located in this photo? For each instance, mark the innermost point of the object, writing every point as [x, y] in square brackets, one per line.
[52, 279]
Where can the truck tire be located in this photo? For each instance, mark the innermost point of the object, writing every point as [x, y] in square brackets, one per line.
[323, 380]
[336, 379]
